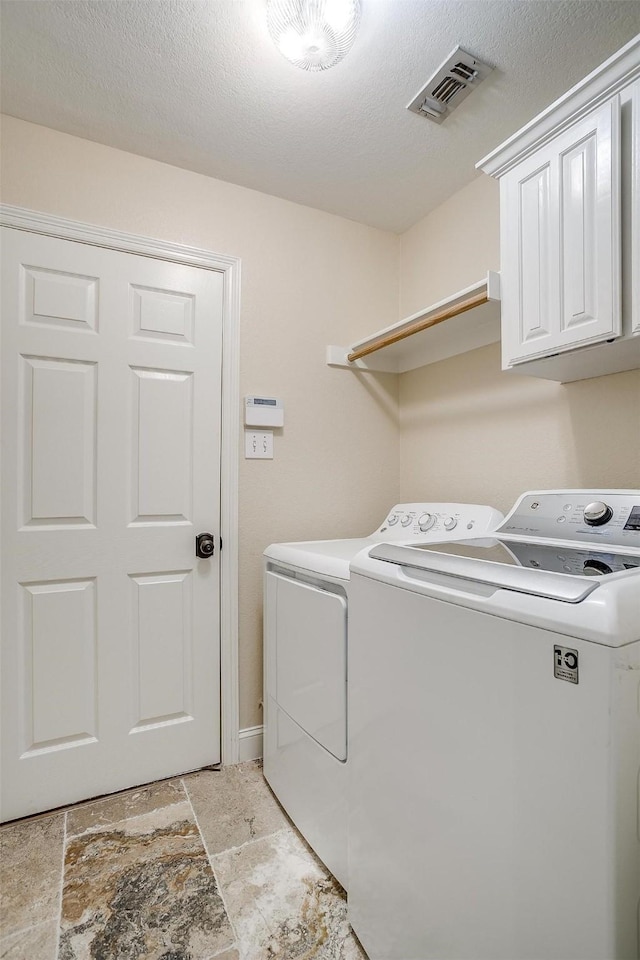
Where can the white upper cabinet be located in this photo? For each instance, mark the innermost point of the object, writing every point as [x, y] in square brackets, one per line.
[631, 210]
[560, 250]
[569, 222]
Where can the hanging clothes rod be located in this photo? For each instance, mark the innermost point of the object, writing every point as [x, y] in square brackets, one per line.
[422, 323]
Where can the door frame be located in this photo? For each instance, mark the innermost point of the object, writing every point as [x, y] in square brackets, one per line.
[32, 221]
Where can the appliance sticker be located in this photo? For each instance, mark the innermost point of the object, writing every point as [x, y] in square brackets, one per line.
[565, 663]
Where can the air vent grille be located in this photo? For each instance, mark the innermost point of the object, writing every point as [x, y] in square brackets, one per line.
[450, 84]
[447, 89]
[465, 71]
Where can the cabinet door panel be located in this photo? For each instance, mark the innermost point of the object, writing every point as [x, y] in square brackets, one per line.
[529, 247]
[536, 312]
[579, 254]
[589, 161]
[633, 208]
[560, 240]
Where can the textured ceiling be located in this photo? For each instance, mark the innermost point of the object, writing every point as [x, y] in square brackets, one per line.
[200, 85]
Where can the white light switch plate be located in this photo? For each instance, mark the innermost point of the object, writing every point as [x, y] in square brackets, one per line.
[258, 444]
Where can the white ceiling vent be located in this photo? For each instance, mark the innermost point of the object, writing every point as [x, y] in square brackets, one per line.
[450, 84]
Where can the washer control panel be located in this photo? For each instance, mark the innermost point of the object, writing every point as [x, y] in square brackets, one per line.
[438, 520]
[594, 516]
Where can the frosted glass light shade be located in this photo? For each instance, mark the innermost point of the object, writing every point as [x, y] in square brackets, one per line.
[313, 34]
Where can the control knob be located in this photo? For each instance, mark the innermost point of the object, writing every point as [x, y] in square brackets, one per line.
[450, 523]
[426, 521]
[596, 568]
[393, 519]
[406, 520]
[597, 513]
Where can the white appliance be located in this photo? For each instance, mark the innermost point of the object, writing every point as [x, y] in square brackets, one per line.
[494, 737]
[305, 640]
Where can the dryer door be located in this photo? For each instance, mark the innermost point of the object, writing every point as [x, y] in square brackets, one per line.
[311, 659]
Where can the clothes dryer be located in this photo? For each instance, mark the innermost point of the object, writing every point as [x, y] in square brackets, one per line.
[306, 599]
[494, 732]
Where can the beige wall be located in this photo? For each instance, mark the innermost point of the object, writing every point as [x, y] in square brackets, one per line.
[452, 247]
[467, 430]
[308, 279]
[470, 432]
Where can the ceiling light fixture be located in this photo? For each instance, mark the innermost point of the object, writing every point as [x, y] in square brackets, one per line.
[313, 34]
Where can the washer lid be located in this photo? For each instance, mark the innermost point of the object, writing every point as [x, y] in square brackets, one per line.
[556, 572]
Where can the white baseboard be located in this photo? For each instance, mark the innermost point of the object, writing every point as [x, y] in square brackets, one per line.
[250, 744]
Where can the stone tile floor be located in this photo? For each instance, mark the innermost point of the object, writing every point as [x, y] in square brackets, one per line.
[194, 868]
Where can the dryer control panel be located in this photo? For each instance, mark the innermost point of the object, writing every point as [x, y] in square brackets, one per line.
[438, 521]
[609, 517]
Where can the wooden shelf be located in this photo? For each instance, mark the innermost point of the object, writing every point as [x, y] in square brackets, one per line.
[468, 319]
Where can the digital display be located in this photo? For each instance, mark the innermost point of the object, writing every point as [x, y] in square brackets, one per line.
[264, 402]
[633, 523]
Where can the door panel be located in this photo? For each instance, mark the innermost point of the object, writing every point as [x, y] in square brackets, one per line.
[58, 456]
[162, 315]
[536, 242]
[560, 244]
[111, 370]
[162, 620]
[60, 299]
[589, 158]
[59, 649]
[529, 238]
[162, 448]
[578, 218]
[631, 207]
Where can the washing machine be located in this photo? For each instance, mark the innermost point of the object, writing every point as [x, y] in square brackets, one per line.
[306, 608]
[494, 766]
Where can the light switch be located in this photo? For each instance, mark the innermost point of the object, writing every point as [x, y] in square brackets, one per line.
[258, 444]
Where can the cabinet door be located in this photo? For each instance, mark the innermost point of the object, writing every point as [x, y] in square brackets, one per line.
[560, 237]
[634, 209]
[529, 252]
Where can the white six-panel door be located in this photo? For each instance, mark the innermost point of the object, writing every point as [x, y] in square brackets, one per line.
[111, 370]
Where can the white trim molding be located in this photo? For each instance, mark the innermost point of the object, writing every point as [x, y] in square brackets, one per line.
[251, 744]
[601, 84]
[33, 221]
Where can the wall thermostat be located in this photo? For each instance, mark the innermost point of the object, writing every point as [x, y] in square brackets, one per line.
[263, 412]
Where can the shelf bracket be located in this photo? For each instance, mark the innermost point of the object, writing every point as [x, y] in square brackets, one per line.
[337, 357]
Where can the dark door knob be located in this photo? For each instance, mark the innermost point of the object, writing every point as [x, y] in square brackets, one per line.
[205, 545]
